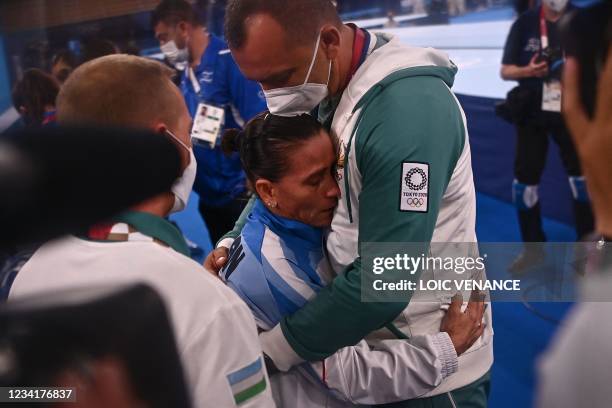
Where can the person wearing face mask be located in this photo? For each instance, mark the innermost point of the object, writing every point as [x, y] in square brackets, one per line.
[403, 168]
[215, 332]
[533, 56]
[278, 263]
[217, 96]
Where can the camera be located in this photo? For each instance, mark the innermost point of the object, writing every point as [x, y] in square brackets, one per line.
[550, 55]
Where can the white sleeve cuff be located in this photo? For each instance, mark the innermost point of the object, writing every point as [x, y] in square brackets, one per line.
[447, 354]
[275, 345]
[226, 243]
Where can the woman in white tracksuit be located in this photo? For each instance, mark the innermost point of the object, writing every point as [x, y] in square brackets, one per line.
[278, 264]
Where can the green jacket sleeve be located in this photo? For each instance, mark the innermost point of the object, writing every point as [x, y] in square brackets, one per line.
[412, 120]
[235, 232]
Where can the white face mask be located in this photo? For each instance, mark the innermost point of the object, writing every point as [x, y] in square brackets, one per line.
[296, 100]
[179, 57]
[556, 5]
[183, 185]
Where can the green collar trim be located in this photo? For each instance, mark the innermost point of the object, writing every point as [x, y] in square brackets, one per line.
[155, 227]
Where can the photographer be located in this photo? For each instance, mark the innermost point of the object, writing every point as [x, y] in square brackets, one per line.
[533, 57]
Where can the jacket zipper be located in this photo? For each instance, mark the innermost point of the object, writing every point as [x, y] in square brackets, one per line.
[452, 400]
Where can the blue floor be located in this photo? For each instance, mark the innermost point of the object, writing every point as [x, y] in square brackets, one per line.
[520, 336]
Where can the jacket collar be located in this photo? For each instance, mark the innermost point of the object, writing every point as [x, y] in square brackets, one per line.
[286, 227]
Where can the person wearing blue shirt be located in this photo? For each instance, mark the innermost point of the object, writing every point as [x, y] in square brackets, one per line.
[210, 78]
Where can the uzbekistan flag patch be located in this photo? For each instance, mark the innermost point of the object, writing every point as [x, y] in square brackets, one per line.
[247, 382]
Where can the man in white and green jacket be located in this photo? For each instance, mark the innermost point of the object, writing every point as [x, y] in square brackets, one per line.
[404, 171]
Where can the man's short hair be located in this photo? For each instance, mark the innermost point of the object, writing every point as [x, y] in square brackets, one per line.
[172, 12]
[119, 90]
[301, 19]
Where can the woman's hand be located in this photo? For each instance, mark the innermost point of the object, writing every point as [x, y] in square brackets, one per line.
[464, 328]
[216, 260]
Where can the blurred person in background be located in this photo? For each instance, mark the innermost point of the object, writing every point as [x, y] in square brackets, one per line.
[62, 64]
[98, 47]
[217, 96]
[521, 6]
[576, 370]
[418, 7]
[391, 22]
[533, 56]
[216, 334]
[34, 98]
[456, 7]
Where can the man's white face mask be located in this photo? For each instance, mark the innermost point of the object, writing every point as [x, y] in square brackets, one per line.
[183, 185]
[179, 57]
[556, 5]
[296, 100]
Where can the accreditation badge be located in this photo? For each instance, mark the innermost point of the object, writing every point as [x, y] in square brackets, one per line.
[207, 124]
[551, 96]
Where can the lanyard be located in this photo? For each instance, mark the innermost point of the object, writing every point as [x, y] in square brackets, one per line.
[360, 51]
[194, 80]
[543, 30]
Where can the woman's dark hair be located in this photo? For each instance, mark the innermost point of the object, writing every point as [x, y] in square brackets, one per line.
[266, 142]
[35, 91]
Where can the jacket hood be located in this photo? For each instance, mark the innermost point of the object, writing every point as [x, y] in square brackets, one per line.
[393, 61]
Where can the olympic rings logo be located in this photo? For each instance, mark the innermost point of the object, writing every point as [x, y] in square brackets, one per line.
[415, 202]
[409, 182]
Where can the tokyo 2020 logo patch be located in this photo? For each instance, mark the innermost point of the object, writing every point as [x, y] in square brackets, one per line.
[414, 191]
[414, 183]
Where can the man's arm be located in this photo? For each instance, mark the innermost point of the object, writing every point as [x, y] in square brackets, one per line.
[246, 96]
[225, 364]
[417, 120]
[510, 69]
[533, 70]
[397, 370]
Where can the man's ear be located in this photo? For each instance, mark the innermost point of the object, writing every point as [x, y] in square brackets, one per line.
[265, 190]
[160, 128]
[183, 28]
[330, 41]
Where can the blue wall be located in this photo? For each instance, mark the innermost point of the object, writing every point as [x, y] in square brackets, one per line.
[5, 86]
[493, 148]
